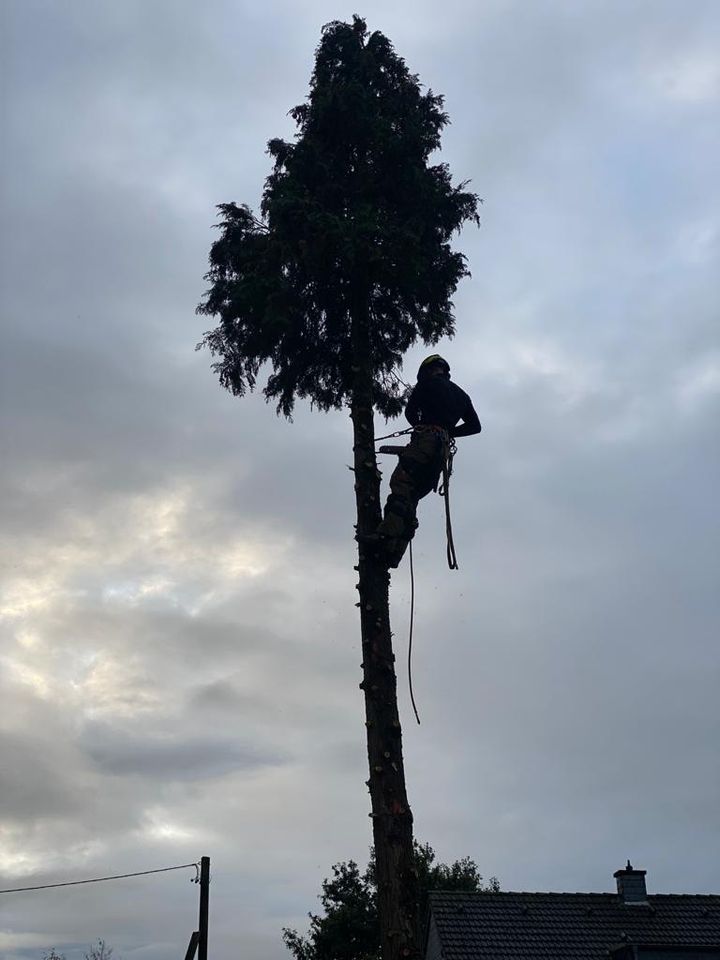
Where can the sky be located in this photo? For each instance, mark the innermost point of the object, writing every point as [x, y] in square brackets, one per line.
[180, 650]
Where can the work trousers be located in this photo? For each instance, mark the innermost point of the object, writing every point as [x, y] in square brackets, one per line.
[417, 473]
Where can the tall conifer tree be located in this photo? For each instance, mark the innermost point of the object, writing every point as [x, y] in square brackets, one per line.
[349, 265]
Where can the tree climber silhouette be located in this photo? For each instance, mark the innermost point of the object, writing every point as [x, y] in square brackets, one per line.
[435, 408]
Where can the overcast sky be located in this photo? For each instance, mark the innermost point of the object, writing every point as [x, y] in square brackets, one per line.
[180, 650]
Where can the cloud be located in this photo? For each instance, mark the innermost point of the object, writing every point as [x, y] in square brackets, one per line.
[691, 79]
[120, 753]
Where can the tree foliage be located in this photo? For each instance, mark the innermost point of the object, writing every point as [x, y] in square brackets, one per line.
[349, 928]
[356, 226]
[100, 951]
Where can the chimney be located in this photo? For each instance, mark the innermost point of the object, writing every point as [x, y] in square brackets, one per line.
[631, 885]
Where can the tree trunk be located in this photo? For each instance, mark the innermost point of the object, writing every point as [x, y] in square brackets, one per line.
[392, 819]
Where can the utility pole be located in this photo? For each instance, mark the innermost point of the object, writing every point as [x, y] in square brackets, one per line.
[204, 905]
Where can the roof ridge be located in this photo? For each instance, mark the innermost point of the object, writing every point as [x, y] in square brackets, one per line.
[566, 893]
[525, 893]
[678, 896]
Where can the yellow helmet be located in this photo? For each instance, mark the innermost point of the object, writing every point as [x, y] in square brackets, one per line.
[434, 360]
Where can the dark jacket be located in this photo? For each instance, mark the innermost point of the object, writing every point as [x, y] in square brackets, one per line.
[438, 401]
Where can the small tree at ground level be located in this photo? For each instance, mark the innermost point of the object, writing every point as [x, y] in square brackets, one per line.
[349, 266]
[100, 951]
[349, 928]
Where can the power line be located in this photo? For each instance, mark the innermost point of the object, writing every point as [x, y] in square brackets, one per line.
[119, 876]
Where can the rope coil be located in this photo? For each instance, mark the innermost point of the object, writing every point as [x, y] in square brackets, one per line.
[444, 491]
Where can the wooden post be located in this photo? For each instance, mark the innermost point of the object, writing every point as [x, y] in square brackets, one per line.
[204, 905]
[192, 946]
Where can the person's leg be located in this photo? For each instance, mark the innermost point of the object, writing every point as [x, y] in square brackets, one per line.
[399, 516]
[414, 477]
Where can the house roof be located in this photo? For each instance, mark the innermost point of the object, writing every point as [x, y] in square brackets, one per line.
[567, 926]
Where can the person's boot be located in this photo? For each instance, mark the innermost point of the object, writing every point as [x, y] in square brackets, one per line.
[395, 547]
[394, 552]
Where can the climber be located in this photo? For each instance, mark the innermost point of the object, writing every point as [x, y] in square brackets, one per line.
[435, 407]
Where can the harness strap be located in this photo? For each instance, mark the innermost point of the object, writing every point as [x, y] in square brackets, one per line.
[432, 428]
[397, 433]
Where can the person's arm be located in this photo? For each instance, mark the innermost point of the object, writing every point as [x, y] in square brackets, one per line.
[412, 409]
[470, 422]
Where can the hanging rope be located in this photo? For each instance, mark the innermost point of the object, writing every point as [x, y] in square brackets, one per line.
[410, 640]
[444, 491]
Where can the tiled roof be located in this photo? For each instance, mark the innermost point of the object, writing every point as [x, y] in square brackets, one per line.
[567, 926]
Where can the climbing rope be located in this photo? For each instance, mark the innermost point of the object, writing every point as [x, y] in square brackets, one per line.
[444, 491]
[410, 640]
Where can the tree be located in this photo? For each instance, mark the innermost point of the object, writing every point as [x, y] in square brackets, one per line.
[348, 266]
[100, 951]
[350, 929]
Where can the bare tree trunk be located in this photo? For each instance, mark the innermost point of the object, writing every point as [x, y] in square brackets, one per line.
[391, 815]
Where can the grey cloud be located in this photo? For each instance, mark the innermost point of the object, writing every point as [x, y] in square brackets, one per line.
[220, 695]
[32, 786]
[122, 753]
